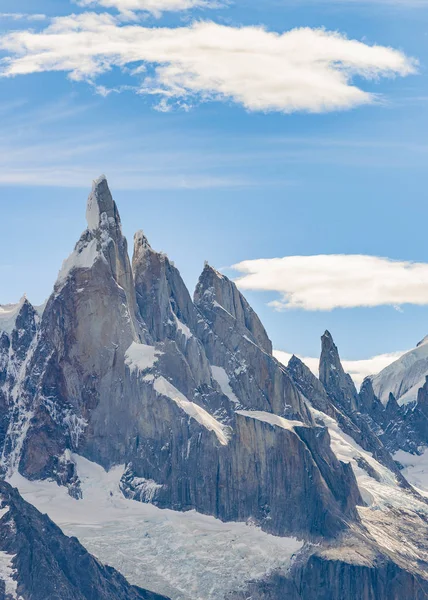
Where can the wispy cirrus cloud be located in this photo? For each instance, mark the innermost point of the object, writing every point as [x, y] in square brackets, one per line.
[51, 146]
[130, 8]
[300, 70]
[326, 282]
[358, 369]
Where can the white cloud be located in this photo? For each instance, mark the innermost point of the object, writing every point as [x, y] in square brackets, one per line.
[358, 369]
[155, 7]
[325, 282]
[300, 70]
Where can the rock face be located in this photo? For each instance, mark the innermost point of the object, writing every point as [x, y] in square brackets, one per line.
[258, 380]
[125, 368]
[356, 424]
[326, 579]
[39, 562]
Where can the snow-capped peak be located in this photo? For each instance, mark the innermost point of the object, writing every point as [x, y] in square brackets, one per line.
[422, 342]
[405, 376]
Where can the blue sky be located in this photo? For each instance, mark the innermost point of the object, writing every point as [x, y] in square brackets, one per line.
[224, 177]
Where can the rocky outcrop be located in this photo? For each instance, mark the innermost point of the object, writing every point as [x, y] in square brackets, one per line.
[325, 578]
[38, 562]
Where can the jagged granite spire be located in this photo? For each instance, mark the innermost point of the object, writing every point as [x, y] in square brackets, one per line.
[213, 287]
[332, 375]
[235, 339]
[162, 297]
[369, 403]
[309, 385]
[101, 209]
[25, 329]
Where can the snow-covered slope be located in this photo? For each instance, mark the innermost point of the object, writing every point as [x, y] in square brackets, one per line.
[10, 312]
[404, 377]
[185, 556]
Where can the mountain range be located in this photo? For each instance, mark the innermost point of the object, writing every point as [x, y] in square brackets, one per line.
[159, 430]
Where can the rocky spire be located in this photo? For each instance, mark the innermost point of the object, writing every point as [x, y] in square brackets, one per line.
[309, 385]
[369, 403]
[162, 297]
[101, 210]
[392, 406]
[25, 329]
[216, 289]
[332, 375]
[422, 402]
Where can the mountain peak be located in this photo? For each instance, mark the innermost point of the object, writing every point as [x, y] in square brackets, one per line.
[327, 338]
[140, 239]
[332, 375]
[216, 291]
[100, 203]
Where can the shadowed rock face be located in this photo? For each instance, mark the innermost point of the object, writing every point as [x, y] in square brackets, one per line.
[325, 579]
[359, 425]
[47, 565]
[396, 427]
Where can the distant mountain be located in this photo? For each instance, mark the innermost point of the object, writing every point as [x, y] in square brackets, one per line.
[404, 377]
[127, 390]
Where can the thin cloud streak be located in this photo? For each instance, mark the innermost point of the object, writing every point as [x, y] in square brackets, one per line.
[130, 8]
[23, 17]
[32, 153]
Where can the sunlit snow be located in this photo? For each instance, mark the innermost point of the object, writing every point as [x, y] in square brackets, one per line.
[165, 388]
[187, 556]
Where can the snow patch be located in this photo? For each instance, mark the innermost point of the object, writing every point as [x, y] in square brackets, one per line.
[165, 388]
[7, 573]
[183, 328]
[270, 418]
[379, 493]
[83, 257]
[185, 556]
[217, 305]
[415, 468]
[222, 378]
[140, 357]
